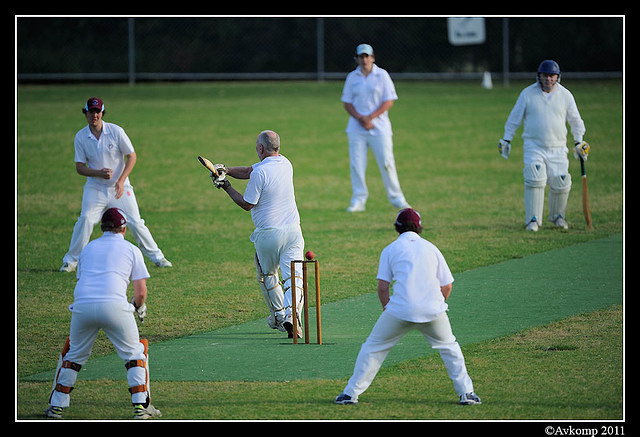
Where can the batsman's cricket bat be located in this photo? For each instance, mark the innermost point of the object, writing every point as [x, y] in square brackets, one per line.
[586, 209]
[209, 165]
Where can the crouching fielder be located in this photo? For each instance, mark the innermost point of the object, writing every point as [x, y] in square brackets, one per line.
[105, 267]
[545, 107]
[422, 283]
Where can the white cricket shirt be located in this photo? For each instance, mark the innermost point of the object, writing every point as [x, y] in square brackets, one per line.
[107, 152]
[419, 270]
[105, 267]
[270, 189]
[545, 117]
[366, 94]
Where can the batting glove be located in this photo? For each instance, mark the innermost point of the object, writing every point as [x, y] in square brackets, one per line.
[504, 146]
[221, 169]
[221, 182]
[581, 150]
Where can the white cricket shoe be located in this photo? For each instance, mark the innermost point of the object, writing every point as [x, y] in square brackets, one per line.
[163, 263]
[356, 207]
[532, 225]
[275, 323]
[53, 412]
[402, 205]
[560, 222]
[68, 267]
[142, 413]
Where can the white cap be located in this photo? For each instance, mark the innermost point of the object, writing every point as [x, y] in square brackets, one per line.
[364, 49]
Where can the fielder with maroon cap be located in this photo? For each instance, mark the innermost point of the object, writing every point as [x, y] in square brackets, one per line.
[105, 155]
[105, 268]
[421, 285]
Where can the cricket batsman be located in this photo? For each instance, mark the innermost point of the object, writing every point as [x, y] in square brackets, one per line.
[277, 237]
[545, 107]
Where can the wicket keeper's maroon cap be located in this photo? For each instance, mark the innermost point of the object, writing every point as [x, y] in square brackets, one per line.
[408, 216]
[94, 103]
[113, 218]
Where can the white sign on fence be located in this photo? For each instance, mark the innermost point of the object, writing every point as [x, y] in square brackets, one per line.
[465, 30]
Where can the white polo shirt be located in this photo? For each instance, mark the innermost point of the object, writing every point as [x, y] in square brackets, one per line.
[107, 152]
[270, 189]
[419, 270]
[366, 94]
[105, 267]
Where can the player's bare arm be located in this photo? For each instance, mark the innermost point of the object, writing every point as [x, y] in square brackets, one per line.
[363, 120]
[236, 196]
[130, 162]
[140, 292]
[384, 107]
[383, 292]
[446, 291]
[83, 170]
[239, 172]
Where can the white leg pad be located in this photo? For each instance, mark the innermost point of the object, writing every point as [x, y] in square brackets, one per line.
[272, 292]
[64, 380]
[559, 188]
[535, 180]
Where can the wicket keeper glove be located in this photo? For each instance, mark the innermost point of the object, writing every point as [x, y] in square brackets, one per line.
[581, 150]
[140, 311]
[504, 146]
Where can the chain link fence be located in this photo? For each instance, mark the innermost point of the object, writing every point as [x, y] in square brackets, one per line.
[310, 48]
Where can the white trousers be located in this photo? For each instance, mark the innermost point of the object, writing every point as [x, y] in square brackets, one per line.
[95, 201]
[545, 166]
[382, 148]
[276, 248]
[117, 321]
[388, 331]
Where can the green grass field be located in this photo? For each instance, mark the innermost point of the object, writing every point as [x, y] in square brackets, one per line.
[446, 151]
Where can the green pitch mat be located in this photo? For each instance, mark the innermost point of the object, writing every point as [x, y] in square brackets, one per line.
[487, 302]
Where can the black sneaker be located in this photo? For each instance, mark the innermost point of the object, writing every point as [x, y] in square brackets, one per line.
[345, 399]
[288, 326]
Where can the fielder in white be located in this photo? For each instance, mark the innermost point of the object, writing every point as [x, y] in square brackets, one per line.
[105, 155]
[367, 96]
[277, 237]
[546, 107]
[105, 268]
[422, 283]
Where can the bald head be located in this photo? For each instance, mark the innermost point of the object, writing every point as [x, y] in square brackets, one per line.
[270, 141]
[267, 144]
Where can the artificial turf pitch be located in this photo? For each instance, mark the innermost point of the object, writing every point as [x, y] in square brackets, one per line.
[486, 303]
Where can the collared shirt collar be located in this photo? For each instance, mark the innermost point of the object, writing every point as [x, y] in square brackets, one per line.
[105, 129]
[409, 234]
[374, 70]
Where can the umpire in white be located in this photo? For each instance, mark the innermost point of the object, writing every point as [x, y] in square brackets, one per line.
[422, 283]
[105, 267]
